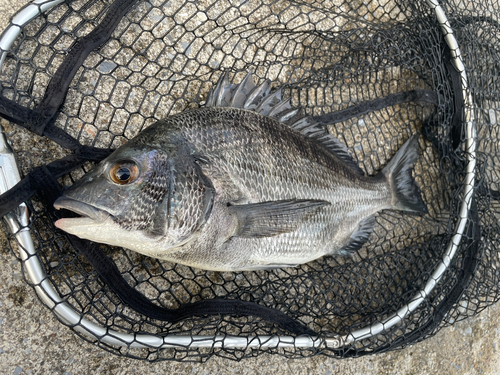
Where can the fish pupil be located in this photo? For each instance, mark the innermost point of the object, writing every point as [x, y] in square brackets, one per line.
[123, 174]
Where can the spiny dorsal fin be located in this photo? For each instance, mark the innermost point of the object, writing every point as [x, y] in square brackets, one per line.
[246, 95]
[242, 92]
[337, 148]
[257, 95]
[222, 94]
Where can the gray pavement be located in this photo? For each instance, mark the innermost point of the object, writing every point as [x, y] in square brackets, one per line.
[32, 341]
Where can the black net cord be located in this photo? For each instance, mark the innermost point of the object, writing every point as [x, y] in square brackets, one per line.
[21, 116]
[458, 102]
[426, 96]
[60, 82]
[29, 185]
[110, 274]
[41, 121]
[494, 194]
[469, 264]
[49, 190]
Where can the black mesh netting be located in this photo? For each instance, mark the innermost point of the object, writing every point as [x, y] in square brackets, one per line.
[375, 72]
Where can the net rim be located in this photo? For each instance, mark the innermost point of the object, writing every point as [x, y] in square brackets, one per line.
[69, 316]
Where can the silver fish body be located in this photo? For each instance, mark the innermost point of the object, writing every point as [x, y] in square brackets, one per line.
[245, 183]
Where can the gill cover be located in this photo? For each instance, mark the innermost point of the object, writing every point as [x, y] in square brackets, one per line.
[162, 195]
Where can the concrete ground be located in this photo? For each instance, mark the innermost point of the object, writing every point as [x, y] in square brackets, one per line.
[32, 341]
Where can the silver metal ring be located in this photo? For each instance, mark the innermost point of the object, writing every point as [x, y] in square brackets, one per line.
[70, 316]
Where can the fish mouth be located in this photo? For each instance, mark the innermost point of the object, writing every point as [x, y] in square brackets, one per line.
[90, 215]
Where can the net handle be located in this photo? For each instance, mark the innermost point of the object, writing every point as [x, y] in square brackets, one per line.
[69, 316]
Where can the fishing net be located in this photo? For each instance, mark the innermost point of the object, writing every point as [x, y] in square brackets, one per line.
[374, 73]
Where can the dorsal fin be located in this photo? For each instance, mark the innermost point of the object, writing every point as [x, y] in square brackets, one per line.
[257, 95]
[259, 99]
[242, 92]
[222, 94]
[309, 127]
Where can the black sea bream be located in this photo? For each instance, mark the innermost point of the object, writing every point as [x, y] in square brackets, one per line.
[244, 183]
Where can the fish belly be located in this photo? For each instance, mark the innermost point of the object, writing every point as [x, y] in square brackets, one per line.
[323, 234]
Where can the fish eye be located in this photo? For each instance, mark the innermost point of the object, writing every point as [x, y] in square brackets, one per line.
[124, 172]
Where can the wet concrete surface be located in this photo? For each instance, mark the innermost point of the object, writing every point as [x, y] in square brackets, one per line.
[33, 341]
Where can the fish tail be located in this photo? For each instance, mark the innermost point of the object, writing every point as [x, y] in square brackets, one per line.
[406, 194]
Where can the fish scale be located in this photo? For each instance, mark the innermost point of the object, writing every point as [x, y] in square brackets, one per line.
[247, 189]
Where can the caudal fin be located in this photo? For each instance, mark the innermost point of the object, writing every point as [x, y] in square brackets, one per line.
[405, 192]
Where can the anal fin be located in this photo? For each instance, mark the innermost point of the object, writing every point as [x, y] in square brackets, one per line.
[267, 219]
[359, 237]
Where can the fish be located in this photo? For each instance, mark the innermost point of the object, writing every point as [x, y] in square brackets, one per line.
[246, 182]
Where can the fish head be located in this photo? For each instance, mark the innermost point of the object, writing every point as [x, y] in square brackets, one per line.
[138, 197]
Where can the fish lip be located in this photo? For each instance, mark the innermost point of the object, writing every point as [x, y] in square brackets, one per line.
[80, 208]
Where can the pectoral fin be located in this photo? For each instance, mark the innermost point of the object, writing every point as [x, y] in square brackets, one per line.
[267, 219]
